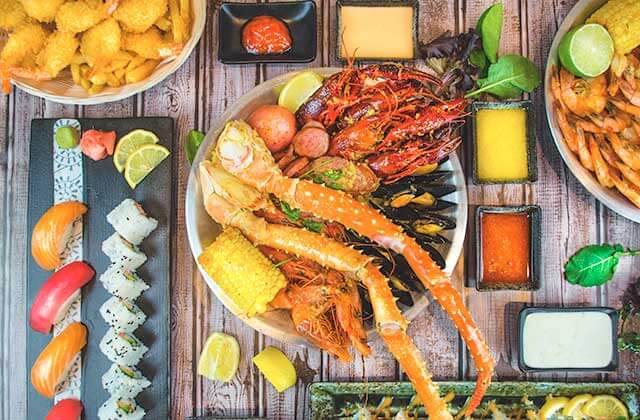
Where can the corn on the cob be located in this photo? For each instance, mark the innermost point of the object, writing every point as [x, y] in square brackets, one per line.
[248, 277]
[622, 20]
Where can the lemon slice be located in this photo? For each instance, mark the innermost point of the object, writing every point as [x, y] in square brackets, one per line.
[142, 161]
[275, 366]
[605, 407]
[298, 89]
[552, 407]
[574, 407]
[129, 143]
[219, 358]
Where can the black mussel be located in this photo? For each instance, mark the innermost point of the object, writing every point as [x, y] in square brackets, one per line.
[433, 252]
[417, 185]
[418, 217]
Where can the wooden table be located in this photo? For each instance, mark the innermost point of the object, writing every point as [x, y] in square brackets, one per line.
[195, 96]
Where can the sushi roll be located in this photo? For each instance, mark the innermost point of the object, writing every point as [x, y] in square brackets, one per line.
[123, 283]
[122, 314]
[116, 408]
[131, 222]
[122, 252]
[122, 348]
[124, 381]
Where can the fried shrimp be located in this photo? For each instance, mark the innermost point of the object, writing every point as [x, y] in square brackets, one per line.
[102, 42]
[150, 44]
[139, 15]
[42, 10]
[12, 14]
[26, 41]
[78, 16]
[57, 53]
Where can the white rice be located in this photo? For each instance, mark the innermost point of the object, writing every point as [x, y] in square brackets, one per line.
[123, 283]
[122, 252]
[112, 409]
[131, 222]
[122, 348]
[124, 381]
[122, 314]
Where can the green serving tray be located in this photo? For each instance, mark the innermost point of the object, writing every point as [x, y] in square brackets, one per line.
[329, 400]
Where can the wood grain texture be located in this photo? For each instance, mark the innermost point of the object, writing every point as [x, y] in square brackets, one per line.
[195, 96]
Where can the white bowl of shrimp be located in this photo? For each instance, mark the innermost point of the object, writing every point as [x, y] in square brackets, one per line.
[611, 179]
[91, 52]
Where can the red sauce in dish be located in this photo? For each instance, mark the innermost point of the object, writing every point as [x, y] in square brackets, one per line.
[266, 35]
[505, 248]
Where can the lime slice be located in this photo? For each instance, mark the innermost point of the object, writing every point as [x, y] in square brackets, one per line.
[586, 50]
[275, 366]
[67, 137]
[142, 161]
[298, 89]
[605, 407]
[574, 407]
[552, 407]
[219, 358]
[129, 143]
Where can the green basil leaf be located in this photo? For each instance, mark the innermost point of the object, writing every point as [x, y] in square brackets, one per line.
[490, 28]
[593, 265]
[479, 60]
[191, 146]
[509, 77]
[292, 214]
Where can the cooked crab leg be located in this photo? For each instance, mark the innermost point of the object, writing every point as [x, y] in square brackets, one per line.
[390, 323]
[243, 153]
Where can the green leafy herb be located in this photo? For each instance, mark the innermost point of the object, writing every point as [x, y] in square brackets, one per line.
[490, 28]
[509, 77]
[479, 60]
[329, 178]
[595, 265]
[630, 340]
[313, 225]
[191, 146]
[292, 214]
[333, 174]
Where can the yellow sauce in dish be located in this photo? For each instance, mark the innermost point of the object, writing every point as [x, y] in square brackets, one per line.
[501, 145]
[377, 32]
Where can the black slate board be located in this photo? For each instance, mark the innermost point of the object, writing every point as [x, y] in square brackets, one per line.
[104, 188]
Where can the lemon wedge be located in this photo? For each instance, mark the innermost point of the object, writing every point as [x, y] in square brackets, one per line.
[574, 406]
[298, 89]
[275, 366]
[552, 407]
[219, 358]
[142, 161]
[605, 407]
[129, 143]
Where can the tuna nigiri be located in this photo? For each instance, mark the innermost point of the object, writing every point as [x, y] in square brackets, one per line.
[51, 233]
[68, 409]
[55, 295]
[52, 365]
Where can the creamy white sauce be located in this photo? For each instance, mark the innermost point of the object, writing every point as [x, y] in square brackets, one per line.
[567, 340]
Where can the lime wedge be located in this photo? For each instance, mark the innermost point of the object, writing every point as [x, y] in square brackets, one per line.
[605, 407]
[298, 89]
[129, 143]
[552, 407]
[275, 366]
[586, 50]
[219, 358]
[142, 161]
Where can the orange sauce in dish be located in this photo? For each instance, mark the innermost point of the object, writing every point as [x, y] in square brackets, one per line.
[266, 35]
[505, 248]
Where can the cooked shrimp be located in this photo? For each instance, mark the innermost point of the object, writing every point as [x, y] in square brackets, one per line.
[78, 16]
[57, 53]
[42, 10]
[150, 44]
[26, 41]
[583, 96]
[627, 189]
[626, 107]
[627, 151]
[101, 43]
[601, 168]
[568, 132]
[12, 14]
[583, 150]
[139, 15]
[631, 94]
[615, 123]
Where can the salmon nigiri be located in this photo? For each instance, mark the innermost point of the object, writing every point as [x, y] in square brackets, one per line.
[51, 233]
[52, 365]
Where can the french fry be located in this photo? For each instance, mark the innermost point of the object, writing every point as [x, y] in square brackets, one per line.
[185, 11]
[95, 89]
[75, 73]
[85, 84]
[164, 24]
[98, 79]
[112, 80]
[141, 72]
[85, 70]
[178, 35]
[78, 59]
[135, 62]
[119, 74]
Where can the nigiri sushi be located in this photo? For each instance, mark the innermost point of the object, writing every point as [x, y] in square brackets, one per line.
[116, 408]
[122, 282]
[122, 252]
[52, 365]
[68, 409]
[52, 232]
[122, 348]
[131, 222]
[124, 381]
[56, 294]
[122, 314]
